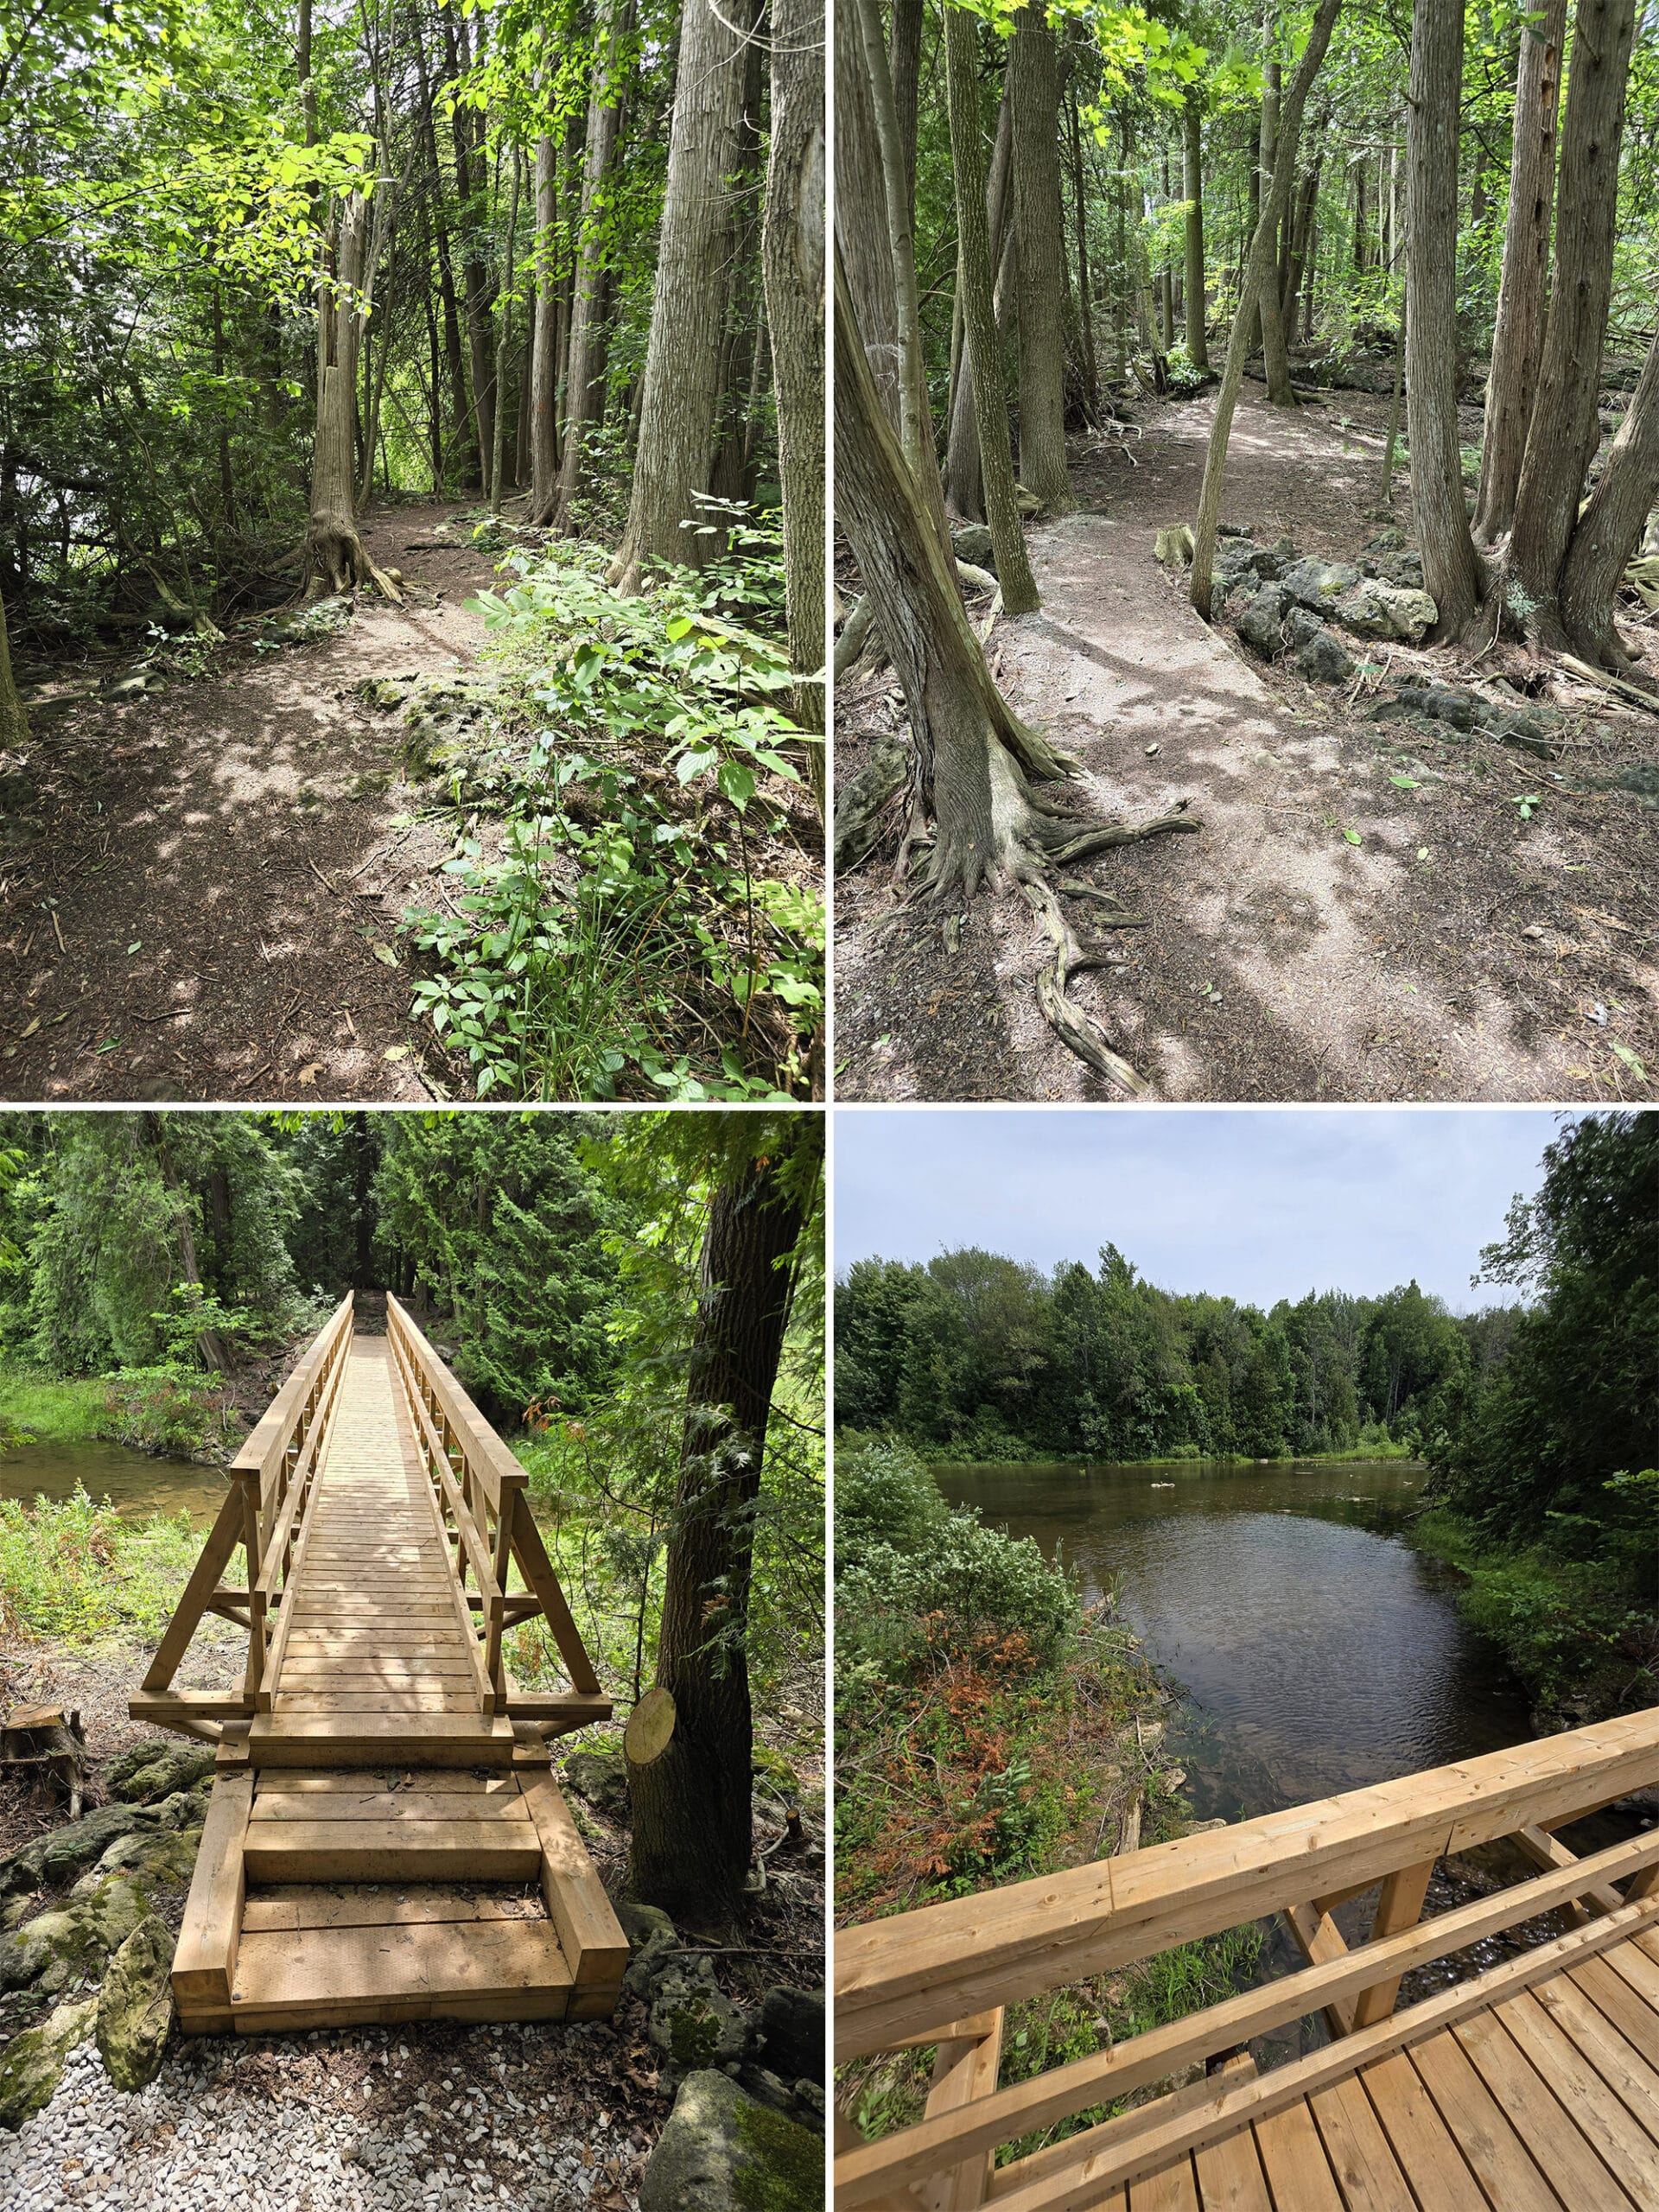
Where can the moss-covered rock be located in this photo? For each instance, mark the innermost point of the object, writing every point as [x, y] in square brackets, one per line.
[721, 2152]
[150, 1771]
[152, 1859]
[61, 1947]
[134, 2005]
[601, 1779]
[32, 2065]
[693, 2023]
[55, 1858]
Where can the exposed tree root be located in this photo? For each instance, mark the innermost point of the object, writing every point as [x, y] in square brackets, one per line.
[337, 559]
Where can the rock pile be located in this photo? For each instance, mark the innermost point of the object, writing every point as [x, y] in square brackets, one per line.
[1279, 597]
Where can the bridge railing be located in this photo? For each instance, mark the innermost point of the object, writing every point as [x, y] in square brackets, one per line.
[942, 1976]
[480, 1489]
[272, 1479]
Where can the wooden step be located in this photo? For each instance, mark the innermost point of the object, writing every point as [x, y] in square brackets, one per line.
[495, 1850]
[360, 1740]
[395, 1970]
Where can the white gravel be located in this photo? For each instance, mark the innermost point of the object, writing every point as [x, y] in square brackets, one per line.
[198, 2139]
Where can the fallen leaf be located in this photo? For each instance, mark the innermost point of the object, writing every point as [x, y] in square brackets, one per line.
[1352, 835]
[1630, 1061]
[32, 1027]
[1422, 852]
[309, 1073]
[1405, 783]
[384, 954]
[396, 1052]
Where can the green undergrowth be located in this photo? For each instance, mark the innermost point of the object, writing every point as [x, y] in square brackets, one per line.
[989, 1728]
[1582, 1633]
[71, 1569]
[170, 1410]
[639, 919]
[45, 1410]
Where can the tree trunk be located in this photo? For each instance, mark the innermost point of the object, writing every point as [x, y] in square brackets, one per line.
[1197, 347]
[1277, 157]
[1522, 291]
[1167, 279]
[693, 1821]
[860, 209]
[584, 383]
[453, 356]
[1261, 273]
[1565, 427]
[682, 378]
[968, 745]
[1034, 86]
[905, 63]
[504, 337]
[1085, 291]
[14, 722]
[469, 181]
[1608, 533]
[544, 339]
[963, 492]
[333, 549]
[792, 254]
[979, 312]
[1454, 575]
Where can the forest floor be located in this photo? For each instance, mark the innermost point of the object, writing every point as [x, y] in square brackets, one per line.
[199, 888]
[1331, 932]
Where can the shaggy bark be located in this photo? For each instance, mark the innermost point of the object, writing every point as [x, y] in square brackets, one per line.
[544, 340]
[1261, 271]
[1034, 85]
[861, 210]
[979, 314]
[1566, 429]
[1277, 156]
[975, 760]
[682, 379]
[1198, 344]
[962, 491]
[791, 248]
[334, 554]
[1608, 533]
[1518, 333]
[504, 338]
[692, 1806]
[584, 385]
[1454, 575]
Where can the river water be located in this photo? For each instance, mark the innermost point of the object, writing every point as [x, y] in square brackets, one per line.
[1317, 1651]
[136, 1484]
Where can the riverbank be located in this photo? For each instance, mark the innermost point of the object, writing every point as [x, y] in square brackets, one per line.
[1387, 1449]
[168, 1413]
[1576, 1633]
[990, 1726]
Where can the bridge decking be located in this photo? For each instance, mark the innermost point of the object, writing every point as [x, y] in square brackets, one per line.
[385, 1839]
[1530, 2087]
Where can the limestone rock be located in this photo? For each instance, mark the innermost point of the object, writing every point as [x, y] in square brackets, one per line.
[32, 2065]
[652, 1938]
[1027, 503]
[790, 2033]
[1316, 584]
[1441, 703]
[153, 1770]
[57, 1947]
[1323, 658]
[134, 2005]
[973, 544]
[56, 1857]
[693, 2023]
[602, 1779]
[154, 1859]
[1371, 607]
[1262, 623]
[723, 2151]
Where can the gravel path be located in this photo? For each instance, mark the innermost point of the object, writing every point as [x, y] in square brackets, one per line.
[527, 2117]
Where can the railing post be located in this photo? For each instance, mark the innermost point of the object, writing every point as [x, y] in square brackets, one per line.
[253, 1679]
[1399, 1907]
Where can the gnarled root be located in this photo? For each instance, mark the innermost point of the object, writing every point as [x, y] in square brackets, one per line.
[337, 557]
[1005, 833]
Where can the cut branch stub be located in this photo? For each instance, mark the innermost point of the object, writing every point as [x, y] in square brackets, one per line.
[651, 1727]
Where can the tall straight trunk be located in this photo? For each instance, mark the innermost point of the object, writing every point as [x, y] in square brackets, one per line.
[742, 346]
[1608, 534]
[1566, 429]
[584, 384]
[682, 378]
[961, 481]
[792, 265]
[1454, 575]
[1361, 236]
[1086, 290]
[1197, 346]
[692, 1807]
[860, 209]
[1034, 85]
[979, 312]
[335, 550]
[471, 186]
[966, 742]
[1167, 280]
[462, 415]
[1518, 334]
[504, 338]
[14, 722]
[544, 338]
[1278, 166]
[1261, 273]
[904, 64]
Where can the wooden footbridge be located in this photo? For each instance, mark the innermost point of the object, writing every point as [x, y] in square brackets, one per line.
[385, 1839]
[1530, 2086]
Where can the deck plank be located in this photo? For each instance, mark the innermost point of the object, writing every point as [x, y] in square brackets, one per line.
[1294, 2159]
[1431, 2161]
[1230, 2176]
[1491, 2147]
[1564, 2152]
[1366, 2169]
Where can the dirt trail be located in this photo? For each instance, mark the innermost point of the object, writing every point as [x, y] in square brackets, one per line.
[241, 832]
[1454, 952]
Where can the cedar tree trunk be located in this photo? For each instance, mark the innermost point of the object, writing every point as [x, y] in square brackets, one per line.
[1034, 86]
[584, 384]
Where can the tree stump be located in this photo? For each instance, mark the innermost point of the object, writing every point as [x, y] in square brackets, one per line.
[44, 1744]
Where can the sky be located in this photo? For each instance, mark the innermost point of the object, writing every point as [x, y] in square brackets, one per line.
[1254, 1205]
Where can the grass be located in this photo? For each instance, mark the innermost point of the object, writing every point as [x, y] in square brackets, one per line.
[71, 1569]
[47, 1412]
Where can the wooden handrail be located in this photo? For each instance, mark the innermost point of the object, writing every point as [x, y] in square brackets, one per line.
[265, 1448]
[898, 1979]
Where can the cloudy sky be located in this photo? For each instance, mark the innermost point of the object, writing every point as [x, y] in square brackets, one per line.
[1260, 1205]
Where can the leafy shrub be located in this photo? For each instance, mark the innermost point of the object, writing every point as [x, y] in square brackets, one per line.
[884, 1496]
[622, 940]
[69, 1568]
[172, 1410]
